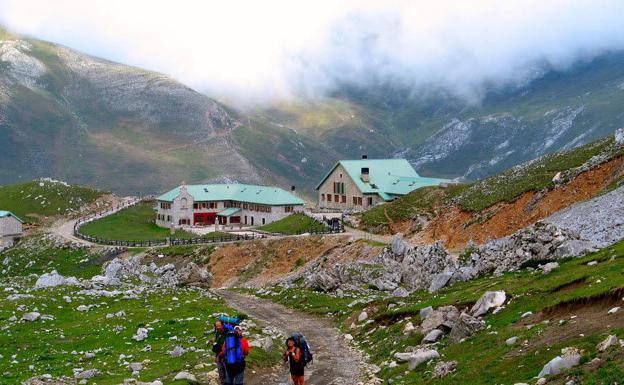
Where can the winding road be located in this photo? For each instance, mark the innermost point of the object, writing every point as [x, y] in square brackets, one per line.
[334, 363]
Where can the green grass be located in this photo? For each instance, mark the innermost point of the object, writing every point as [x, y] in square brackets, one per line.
[135, 223]
[293, 224]
[39, 198]
[483, 358]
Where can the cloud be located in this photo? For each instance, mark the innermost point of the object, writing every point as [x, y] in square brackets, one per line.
[263, 50]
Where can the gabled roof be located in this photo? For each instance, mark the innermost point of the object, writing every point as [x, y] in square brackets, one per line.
[387, 177]
[8, 214]
[229, 212]
[263, 195]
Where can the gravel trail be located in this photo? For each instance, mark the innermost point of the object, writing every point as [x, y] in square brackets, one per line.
[334, 363]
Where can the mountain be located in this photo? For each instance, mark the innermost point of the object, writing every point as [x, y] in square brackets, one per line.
[90, 121]
[446, 137]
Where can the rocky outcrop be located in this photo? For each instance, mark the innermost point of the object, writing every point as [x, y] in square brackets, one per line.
[53, 279]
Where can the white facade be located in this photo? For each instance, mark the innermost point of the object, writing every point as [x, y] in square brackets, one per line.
[10, 228]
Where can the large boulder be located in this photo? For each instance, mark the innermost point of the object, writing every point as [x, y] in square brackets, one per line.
[444, 368]
[398, 246]
[619, 136]
[465, 326]
[417, 357]
[321, 280]
[607, 343]
[489, 300]
[422, 264]
[569, 358]
[53, 279]
[439, 281]
[444, 317]
[31, 316]
[192, 274]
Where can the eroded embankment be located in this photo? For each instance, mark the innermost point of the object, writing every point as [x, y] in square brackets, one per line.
[455, 227]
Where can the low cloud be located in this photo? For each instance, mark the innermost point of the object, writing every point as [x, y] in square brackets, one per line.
[258, 51]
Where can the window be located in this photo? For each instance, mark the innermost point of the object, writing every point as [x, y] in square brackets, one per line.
[340, 176]
[370, 201]
[339, 188]
[323, 197]
[344, 199]
[336, 198]
[168, 218]
[245, 206]
[288, 209]
[183, 203]
[263, 221]
[359, 201]
[165, 205]
[329, 197]
[354, 201]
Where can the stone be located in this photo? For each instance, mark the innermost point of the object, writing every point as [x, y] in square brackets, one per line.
[439, 281]
[557, 178]
[549, 267]
[409, 328]
[82, 308]
[574, 248]
[526, 314]
[511, 341]
[613, 310]
[443, 369]
[265, 343]
[140, 335]
[425, 312]
[443, 317]
[619, 136]
[433, 336]
[87, 374]
[184, 375]
[135, 367]
[489, 300]
[363, 316]
[401, 292]
[177, 351]
[607, 343]
[420, 356]
[569, 358]
[31, 316]
[592, 263]
[398, 246]
[53, 279]
[348, 337]
[465, 327]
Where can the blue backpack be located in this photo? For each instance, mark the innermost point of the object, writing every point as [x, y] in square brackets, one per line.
[301, 343]
[233, 351]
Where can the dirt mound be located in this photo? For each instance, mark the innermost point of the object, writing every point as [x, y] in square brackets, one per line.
[259, 262]
[455, 227]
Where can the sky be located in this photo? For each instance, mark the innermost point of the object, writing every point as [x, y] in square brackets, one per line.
[261, 51]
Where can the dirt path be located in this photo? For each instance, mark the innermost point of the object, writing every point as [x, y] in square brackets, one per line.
[334, 362]
[359, 234]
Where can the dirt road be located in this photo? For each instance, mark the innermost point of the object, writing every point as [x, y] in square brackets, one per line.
[334, 362]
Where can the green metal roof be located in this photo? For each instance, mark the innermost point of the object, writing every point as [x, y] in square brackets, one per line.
[387, 177]
[7, 214]
[228, 212]
[263, 195]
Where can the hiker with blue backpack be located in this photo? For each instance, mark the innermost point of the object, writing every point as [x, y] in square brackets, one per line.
[235, 349]
[297, 355]
[219, 339]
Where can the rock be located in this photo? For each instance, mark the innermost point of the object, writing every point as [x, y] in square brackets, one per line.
[489, 300]
[613, 310]
[362, 317]
[526, 314]
[619, 136]
[192, 274]
[409, 328]
[592, 263]
[30, 317]
[321, 280]
[53, 279]
[549, 267]
[82, 308]
[569, 358]
[401, 292]
[135, 367]
[425, 312]
[511, 341]
[398, 246]
[140, 335]
[443, 317]
[439, 281]
[184, 375]
[420, 356]
[466, 326]
[348, 337]
[433, 336]
[574, 248]
[265, 343]
[541, 381]
[607, 343]
[557, 178]
[87, 374]
[177, 351]
[444, 368]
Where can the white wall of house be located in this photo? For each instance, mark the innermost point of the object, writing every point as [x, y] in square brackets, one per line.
[10, 226]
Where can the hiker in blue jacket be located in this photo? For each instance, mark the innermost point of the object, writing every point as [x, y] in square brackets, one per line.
[235, 349]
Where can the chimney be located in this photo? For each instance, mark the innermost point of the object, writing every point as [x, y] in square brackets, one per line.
[364, 174]
[292, 188]
[364, 156]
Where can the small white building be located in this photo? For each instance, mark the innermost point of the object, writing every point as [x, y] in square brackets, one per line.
[224, 204]
[10, 228]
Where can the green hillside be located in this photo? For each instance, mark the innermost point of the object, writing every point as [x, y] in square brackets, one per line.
[42, 198]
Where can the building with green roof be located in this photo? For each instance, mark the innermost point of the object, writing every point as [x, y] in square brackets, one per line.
[10, 228]
[225, 204]
[363, 183]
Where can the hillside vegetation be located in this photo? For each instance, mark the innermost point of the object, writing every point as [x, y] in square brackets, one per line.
[43, 198]
[535, 175]
[569, 308]
[294, 224]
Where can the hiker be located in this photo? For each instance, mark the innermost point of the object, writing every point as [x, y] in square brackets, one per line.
[217, 347]
[294, 357]
[235, 349]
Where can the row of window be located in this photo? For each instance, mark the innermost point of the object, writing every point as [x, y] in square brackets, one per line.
[165, 205]
[163, 217]
[205, 205]
[357, 201]
[339, 188]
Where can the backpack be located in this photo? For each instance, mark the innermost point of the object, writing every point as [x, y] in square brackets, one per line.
[301, 343]
[233, 352]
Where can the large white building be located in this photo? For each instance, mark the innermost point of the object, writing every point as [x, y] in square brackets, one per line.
[224, 204]
[10, 228]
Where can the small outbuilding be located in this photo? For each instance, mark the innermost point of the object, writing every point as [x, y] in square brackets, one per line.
[10, 228]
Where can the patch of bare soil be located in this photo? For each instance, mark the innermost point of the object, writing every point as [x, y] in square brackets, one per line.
[581, 316]
[259, 262]
[455, 227]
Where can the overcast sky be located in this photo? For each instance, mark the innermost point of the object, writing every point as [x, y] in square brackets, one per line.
[262, 50]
